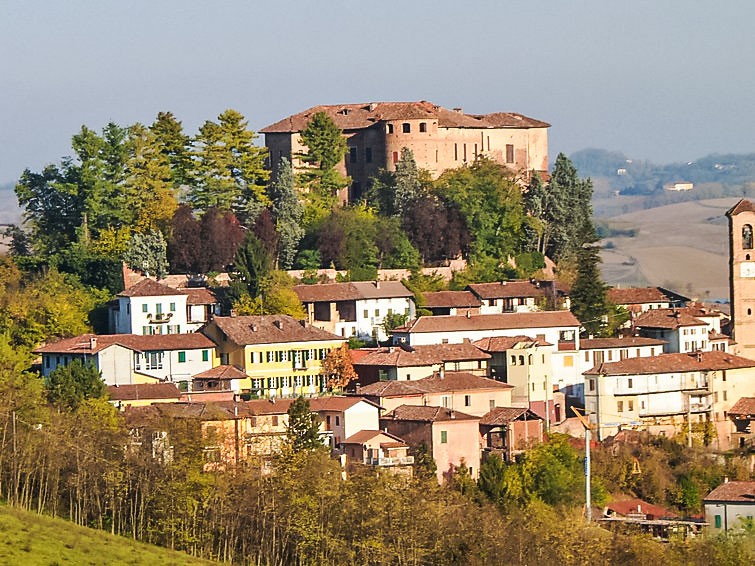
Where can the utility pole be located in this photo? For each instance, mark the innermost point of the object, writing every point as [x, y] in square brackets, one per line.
[588, 502]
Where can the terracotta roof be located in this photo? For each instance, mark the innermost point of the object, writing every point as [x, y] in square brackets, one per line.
[426, 414]
[640, 295]
[335, 403]
[149, 288]
[499, 416]
[270, 329]
[745, 406]
[209, 411]
[740, 491]
[93, 343]
[503, 343]
[507, 321]
[365, 115]
[269, 406]
[673, 363]
[199, 296]
[396, 356]
[143, 391]
[626, 342]
[451, 299]
[351, 291]
[221, 372]
[630, 506]
[364, 436]
[667, 318]
[713, 336]
[507, 289]
[743, 205]
[451, 381]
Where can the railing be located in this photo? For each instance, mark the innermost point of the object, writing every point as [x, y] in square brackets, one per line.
[159, 317]
[396, 461]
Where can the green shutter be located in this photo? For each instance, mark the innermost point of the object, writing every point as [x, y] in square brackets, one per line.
[718, 521]
[181, 357]
[205, 355]
[443, 436]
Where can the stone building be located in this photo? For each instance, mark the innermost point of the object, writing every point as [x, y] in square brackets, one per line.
[742, 276]
[439, 138]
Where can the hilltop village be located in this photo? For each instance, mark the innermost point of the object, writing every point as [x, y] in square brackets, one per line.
[398, 285]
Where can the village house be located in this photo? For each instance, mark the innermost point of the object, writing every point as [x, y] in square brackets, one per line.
[520, 296]
[457, 390]
[220, 383]
[678, 327]
[343, 417]
[637, 300]
[658, 393]
[731, 506]
[140, 394]
[281, 356]
[439, 138]
[509, 431]
[150, 307]
[634, 508]
[452, 303]
[380, 449]
[742, 414]
[355, 308]
[405, 363]
[125, 359]
[449, 436]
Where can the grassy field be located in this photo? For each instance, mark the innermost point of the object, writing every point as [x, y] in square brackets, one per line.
[27, 539]
[683, 246]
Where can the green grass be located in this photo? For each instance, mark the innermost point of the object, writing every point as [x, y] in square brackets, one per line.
[27, 539]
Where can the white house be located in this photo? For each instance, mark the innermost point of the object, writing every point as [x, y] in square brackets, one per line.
[355, 308]
[150, 307]
[518, 296]
[682, 331]
[731, 506]
[642, 299]
[125, 359]
[345, 416]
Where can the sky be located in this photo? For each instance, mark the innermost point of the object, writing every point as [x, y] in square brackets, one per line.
[668, 80]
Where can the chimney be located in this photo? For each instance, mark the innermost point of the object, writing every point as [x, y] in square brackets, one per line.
[278, 324]
[459, 110]
[93, 343]
[453, 415]
[372, 106]
[469, 314]
[235, 410]
[233, 313]
[442, 371]
[726, 479]
[303, 323]
[253, 327]
[377, 284]
[272, 400]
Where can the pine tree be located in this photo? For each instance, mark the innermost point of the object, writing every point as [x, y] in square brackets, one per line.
[147, 252]
[288, 213]
[69, 385]
[175, 146]
[407, 182]
[588, 296]
[251, 266]
[326, 148]
[303, 429]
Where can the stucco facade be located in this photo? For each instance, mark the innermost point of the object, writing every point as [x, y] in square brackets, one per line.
[742, 276]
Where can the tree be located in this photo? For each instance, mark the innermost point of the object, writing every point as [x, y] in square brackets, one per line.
[407, 180]
[185, 241]
[221, 233]
[424, 463]
[174, 145]
[277, 296]
[147, 252]
[303, 428]
[230, 172]
[287, 212]
[252, 265]
[264, 228]
[394, 320]
[326, 147]
[436, 229]
[588, 295]
[67, 386]
[337, 367]
[20, 244]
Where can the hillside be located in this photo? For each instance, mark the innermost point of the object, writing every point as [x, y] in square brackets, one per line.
[27, 539]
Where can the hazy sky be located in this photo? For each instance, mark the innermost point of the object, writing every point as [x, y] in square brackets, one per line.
[662, 80]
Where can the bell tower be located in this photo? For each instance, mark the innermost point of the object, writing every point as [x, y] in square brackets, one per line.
[742, 276]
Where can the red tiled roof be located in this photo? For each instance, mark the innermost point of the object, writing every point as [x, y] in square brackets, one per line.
[143, 391]
[149, 288]
[84, 343]
[221, 372]
[335, 403]
[351, 291]
[426, 414]
[364, 436]
[270, 329]
[739, 491]
[396, 356]
[499, 416]
[451, 381]
[365, 115]
[269, 406]
[507, 321]
[673, 363]
[209, 411]
[745, 406]
[626, 342]
[631, 506]
[503, 343]
[507, 289]
[451, 299]
[667, 318]
[199, 296]
[743, 205]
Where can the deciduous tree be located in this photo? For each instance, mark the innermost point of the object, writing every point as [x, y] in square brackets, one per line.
[337, 368]
[69, 385]
[303, 428]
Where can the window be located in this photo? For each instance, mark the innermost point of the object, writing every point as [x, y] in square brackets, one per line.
[366, 313]
[406, 127]
[513, 360]
[492, 404]
[353, 154]
[181, 357]
[338, 421]
[467, 400]
[509, 153]
[620, 406]
[172, 307]
[642, 405]
[724, 395]
[747, 237]
[443, 436]
[465, 152]
[275, 420]
[456, 152]
[591, 383]
[587, 356]
[521, 360]
[389, 128]
[327, 421]
[159, 308]
[718, 521]
[422, 127]
[144, 307]
[377, 312]
[154, 360]
[568, 361]
[629, 383]
[368, 155]
[47, 361]
[610, 355]
[206, 355]
[630, 406]
[395, 156]
[444, 401]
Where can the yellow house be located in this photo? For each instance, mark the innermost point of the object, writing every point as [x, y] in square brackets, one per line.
[141, 394]
[281, 356]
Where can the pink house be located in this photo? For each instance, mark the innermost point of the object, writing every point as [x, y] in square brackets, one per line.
[451, 437]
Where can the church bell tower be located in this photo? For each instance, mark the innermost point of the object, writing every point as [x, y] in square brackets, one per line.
[742, 276]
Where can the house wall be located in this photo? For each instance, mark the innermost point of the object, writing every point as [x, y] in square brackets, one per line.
[551, 335]
[727, 388]
[462, 443]
[479, 401]
[195, 361]
[343, 424]
[132, 319]
[729, 514]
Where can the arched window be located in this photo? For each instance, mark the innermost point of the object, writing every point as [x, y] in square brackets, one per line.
[747, 237]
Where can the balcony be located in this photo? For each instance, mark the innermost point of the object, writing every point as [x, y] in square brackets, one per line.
[396, 461]
[159, 318]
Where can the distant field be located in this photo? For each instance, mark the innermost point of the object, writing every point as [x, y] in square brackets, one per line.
[9, 211]
[683, 246]
[27, 539]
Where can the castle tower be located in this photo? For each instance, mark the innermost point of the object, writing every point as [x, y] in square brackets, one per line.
[742, 276]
